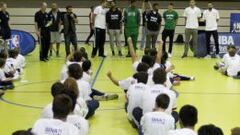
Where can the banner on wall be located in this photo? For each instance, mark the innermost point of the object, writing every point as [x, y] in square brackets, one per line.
[224, 39]
[23, 40]
[235, 23]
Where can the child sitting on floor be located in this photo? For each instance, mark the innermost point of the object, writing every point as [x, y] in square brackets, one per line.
[230, 64]
[5, 82]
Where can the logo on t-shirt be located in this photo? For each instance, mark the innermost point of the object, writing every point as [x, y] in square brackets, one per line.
[52, 131]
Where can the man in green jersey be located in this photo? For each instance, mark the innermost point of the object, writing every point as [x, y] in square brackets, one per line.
[170, 17]
[132, 20]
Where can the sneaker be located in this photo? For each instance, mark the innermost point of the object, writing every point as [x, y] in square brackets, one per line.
[207, 56]
[218, 56]
[169, 55]
[192, 78]
[113, 53]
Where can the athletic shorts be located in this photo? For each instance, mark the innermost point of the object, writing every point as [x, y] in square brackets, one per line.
[55, 37]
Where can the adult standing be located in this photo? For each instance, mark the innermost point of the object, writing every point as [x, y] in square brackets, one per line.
[90, 25]
[153, 22]
[132, 20]
[55, 28]
[5, 30]
[145, 9]
[42, 30]
[114, 27]
[192, 15]
[69, 20]
[211, 17]
[171, 18]
[100, 29]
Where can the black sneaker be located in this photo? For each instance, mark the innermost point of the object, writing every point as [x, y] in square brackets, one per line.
[184, 56]
[104, 56]
[113, 53]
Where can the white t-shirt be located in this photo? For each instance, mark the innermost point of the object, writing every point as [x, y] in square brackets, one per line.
[54, 127]
[211, 18]
[126, 83]
[157, 123]
[150, 70]
[21, 60]
[64, 71]
[231, 64]
[149, 97]
[2, 75]
[80, 109]
[84, 89]
[86, 77]
[100, 19]
[183, 131]
[192, 15]
[134, 94]
[79, 122]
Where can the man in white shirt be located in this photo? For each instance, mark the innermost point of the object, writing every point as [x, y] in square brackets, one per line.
[149, 96]
[211, 17]
[99, 18]
[62, 105]
[188, 116]
[192, 14]
[158, 122]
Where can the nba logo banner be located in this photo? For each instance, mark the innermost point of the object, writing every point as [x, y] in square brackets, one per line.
[235, 23]
[22, 40]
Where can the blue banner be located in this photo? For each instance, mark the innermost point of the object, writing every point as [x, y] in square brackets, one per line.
[235, 23]
[224, 40]
[23, 40]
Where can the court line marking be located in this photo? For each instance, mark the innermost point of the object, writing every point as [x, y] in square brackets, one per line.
[97, 72]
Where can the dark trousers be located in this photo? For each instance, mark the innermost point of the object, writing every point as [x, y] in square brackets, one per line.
[44, 44]
[70, 37]
[92, 107]
[96, 93]
[165, 35]
[137, 115]
[89, 37]
[215, 37]
[100, 37]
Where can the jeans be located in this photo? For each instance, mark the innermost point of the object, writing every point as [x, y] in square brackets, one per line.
[70, 38]
[92, 107]
[194, 34]
[114, 36]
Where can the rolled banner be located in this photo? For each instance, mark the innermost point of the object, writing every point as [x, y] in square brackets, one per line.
[22, 40]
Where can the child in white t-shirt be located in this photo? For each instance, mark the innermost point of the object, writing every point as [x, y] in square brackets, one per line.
[230, 64]
[188, 118]
[5, 82]
[158, 122]
[62, 105]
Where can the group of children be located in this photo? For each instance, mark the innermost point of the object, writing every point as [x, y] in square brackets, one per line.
[12, 64]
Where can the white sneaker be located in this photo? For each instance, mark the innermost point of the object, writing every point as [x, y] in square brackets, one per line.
[192, 78]
[169, 55]
[207, 56]
[218, 56]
